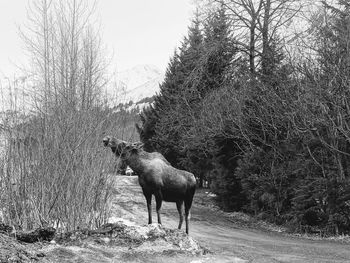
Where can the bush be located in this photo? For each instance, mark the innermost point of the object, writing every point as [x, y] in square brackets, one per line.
[54, 174]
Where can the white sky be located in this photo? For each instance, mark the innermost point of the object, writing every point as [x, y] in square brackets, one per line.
[134, 31]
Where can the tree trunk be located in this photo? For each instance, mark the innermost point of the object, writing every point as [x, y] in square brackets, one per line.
[252, 47]
[265, 39]
[201, 179]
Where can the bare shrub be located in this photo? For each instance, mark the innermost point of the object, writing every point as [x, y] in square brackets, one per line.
[53, 169]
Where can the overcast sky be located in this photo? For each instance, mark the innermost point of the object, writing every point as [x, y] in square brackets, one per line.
[135, 31]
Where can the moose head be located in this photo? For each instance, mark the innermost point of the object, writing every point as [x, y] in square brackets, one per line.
[121, 148]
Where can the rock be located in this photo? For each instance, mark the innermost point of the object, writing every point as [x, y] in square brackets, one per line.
[155, 231]
[106, 240]
[39, 234]
[183, 241]
[40, 255]
[128, 240]
[6, 229]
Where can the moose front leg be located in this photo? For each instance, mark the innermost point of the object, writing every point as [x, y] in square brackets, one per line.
[158, 205]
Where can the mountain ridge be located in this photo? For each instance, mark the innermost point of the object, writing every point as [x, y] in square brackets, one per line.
[139, 82]
[134, 84]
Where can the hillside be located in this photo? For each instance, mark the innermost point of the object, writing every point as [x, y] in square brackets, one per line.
[134, 84]
[132, 90]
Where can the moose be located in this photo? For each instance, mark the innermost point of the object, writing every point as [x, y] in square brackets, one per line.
[156, 177]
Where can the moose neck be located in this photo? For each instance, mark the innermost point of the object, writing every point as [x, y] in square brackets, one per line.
[135, 161]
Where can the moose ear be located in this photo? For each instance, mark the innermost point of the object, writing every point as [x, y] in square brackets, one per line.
[133, 147]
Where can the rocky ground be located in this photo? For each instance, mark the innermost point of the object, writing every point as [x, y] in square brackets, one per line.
[117, 242]
[124, 239]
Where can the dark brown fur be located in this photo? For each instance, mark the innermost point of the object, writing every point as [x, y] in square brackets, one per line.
[157, 177]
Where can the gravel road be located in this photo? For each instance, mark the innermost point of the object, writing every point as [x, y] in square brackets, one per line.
[228, 241]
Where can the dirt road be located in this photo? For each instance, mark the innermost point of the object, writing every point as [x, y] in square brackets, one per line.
[227, 240]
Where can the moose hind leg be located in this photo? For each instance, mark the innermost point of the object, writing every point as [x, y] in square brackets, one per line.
[187, 213]
[158, 206]
[149, 205]
[179, 209]
[188, 204]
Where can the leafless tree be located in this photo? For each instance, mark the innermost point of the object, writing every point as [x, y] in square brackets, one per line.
[54, 166]
[259, 22]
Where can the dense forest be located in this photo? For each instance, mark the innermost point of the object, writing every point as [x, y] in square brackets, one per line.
[262, 114]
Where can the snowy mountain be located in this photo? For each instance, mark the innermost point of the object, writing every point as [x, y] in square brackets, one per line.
[134, 84]
[131, 90]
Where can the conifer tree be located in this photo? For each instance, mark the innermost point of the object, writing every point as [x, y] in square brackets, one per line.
[220, 50]
[167, 96]
[163, 123]
[212, 73]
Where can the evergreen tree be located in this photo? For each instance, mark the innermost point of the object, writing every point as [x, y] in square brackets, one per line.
[162, 101]
[191, 49]
[273, 71]
[220, 51]
[163, 123]
[216, 62]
